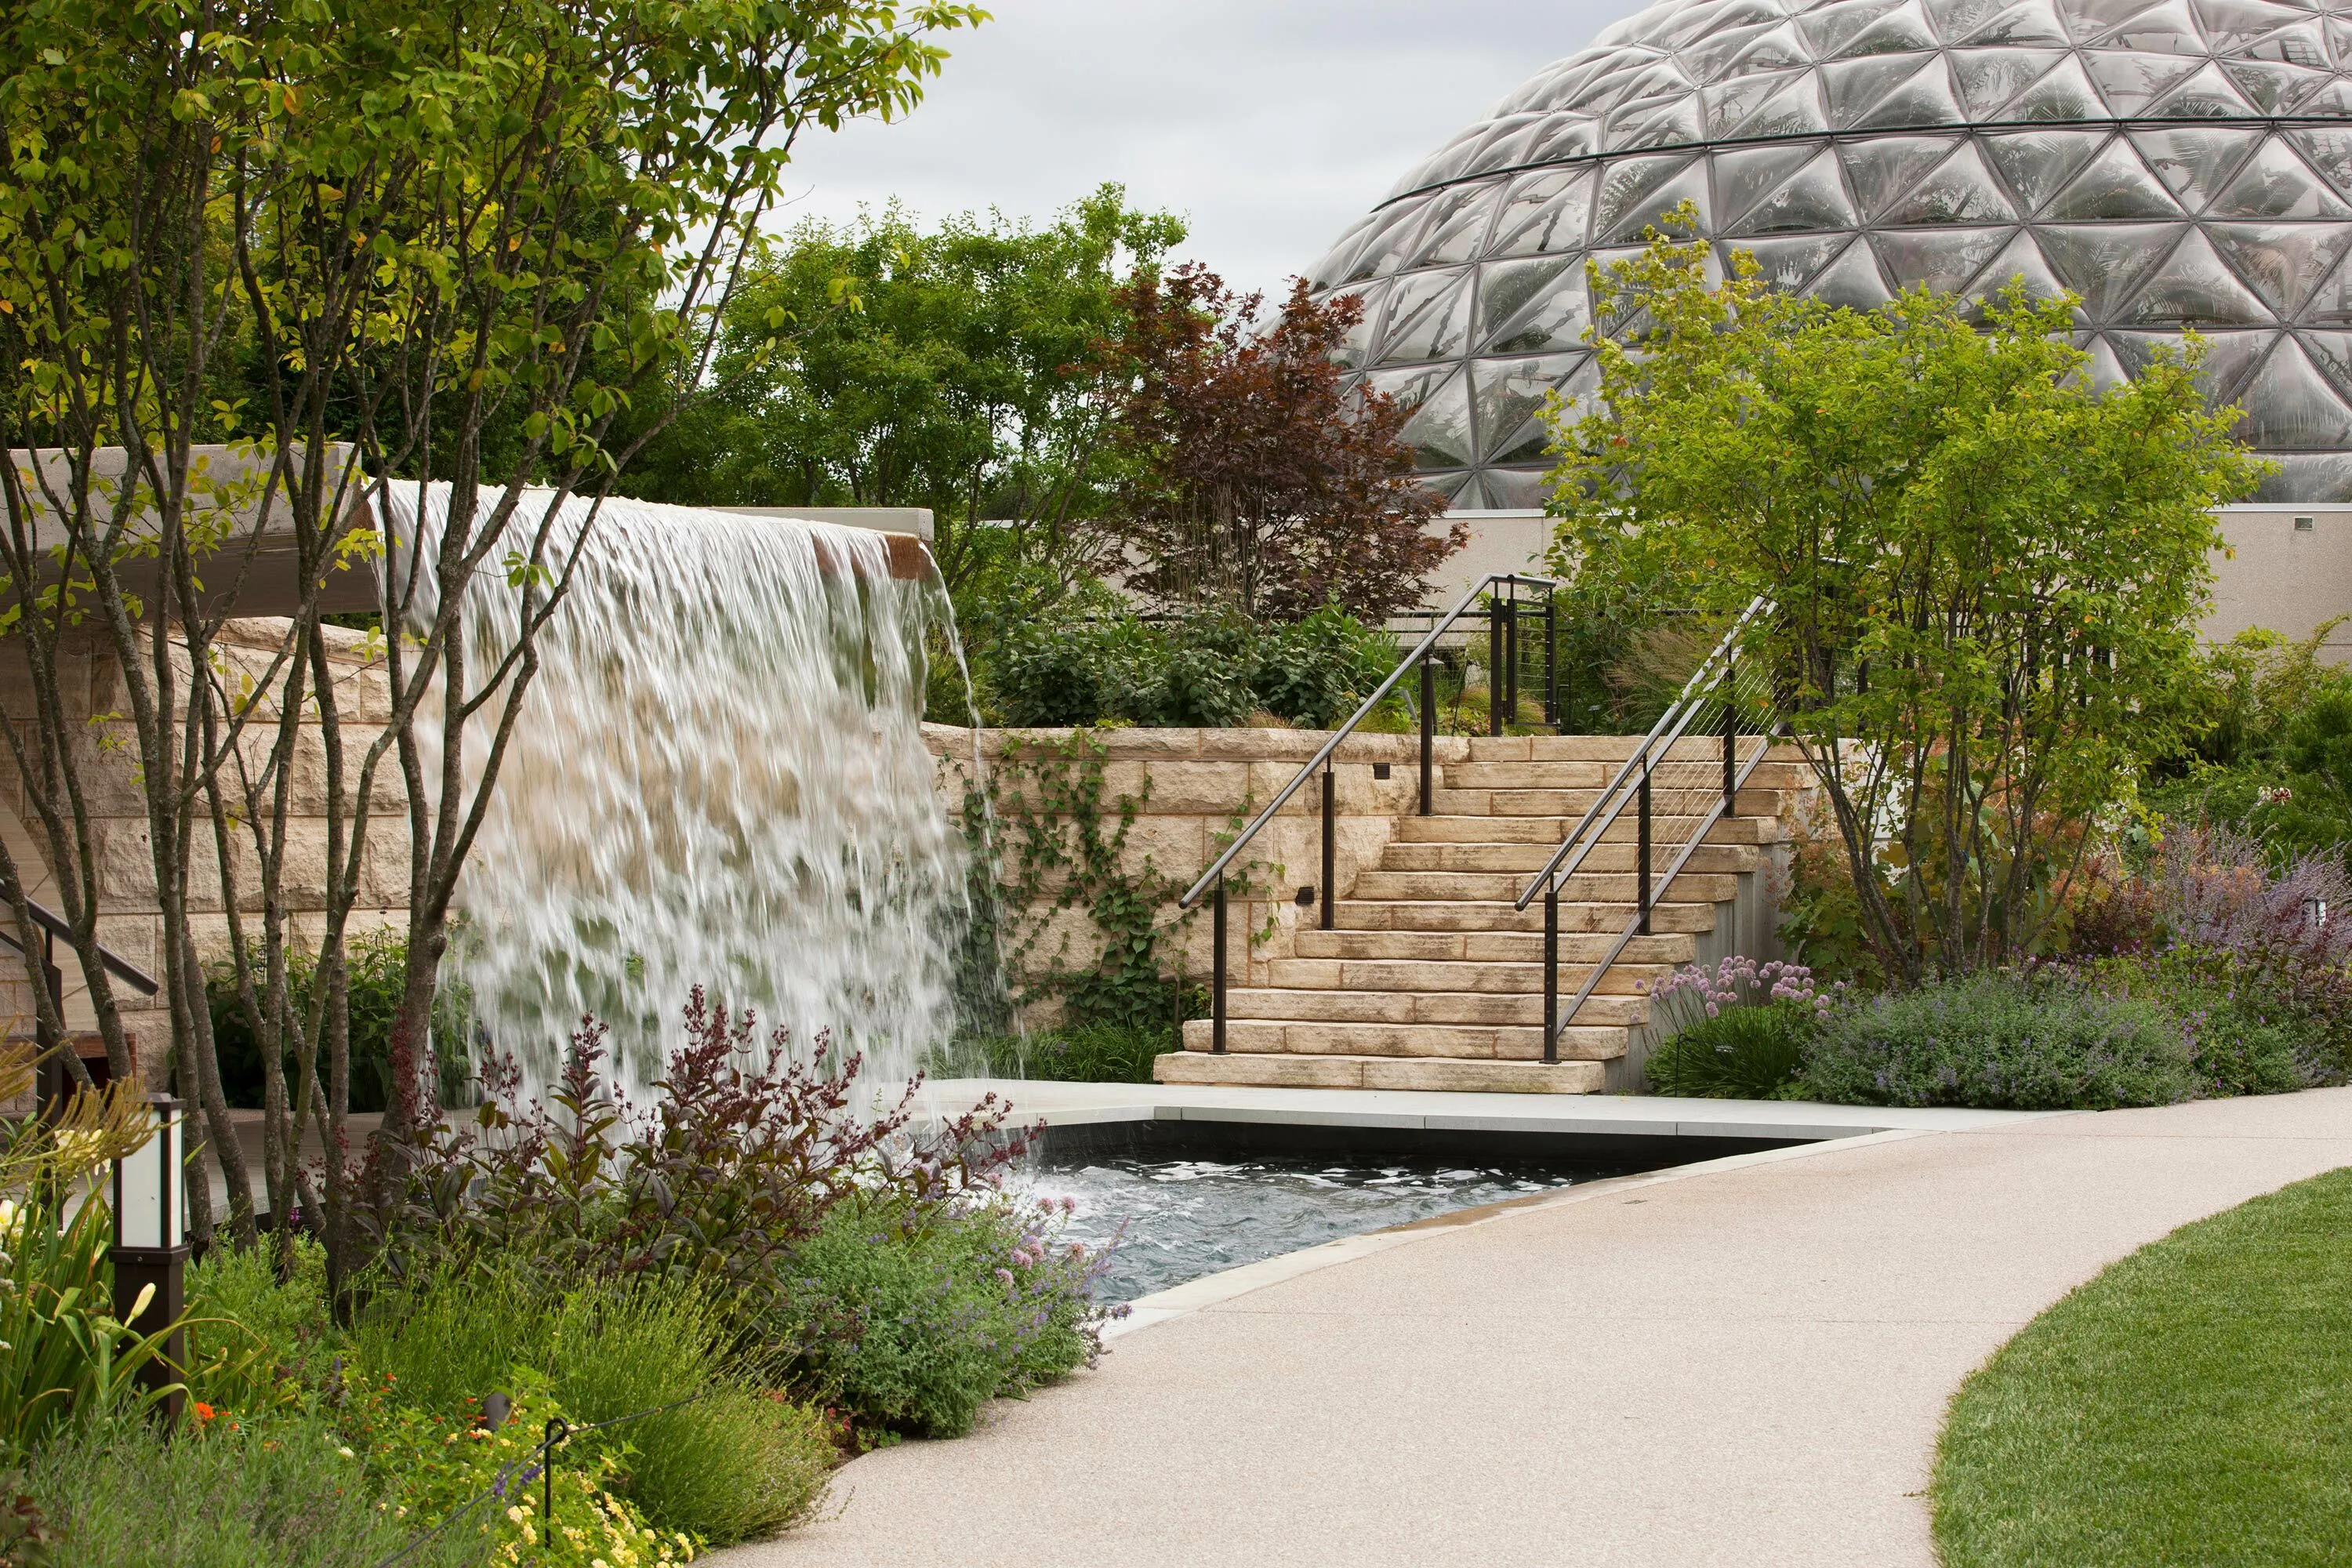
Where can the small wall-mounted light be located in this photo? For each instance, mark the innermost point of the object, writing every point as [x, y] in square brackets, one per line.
[150, 1242]
[1381, 770]
[1306, 897]
[2302, 525]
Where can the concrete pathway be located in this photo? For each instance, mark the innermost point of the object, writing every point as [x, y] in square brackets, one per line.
[1743, 1362]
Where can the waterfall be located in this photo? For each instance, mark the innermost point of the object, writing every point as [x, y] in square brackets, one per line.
[718, 778]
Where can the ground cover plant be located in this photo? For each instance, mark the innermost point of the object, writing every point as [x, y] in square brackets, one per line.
[746, 1278]
[2193, 1404]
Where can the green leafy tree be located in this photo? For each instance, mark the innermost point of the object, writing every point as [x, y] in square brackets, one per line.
[464, 239]
[878, 364]
[1987, 573]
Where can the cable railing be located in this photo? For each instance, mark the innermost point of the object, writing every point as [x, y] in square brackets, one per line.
[1678, 777]
[1508, 621]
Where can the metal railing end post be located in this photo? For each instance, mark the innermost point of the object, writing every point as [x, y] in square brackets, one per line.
[1428, 733]
[1217, 970]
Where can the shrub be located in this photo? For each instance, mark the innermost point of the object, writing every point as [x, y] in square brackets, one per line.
[375, 975]
[287, 1492]
[733, 1463]
[256, 1340]
[912, 1319]
[738, 1158]
[1078, 1053]
[1210, 672]
[1743, 1053]
[1998, 1039]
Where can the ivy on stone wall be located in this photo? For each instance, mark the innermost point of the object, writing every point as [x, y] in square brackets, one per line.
[1049, 838]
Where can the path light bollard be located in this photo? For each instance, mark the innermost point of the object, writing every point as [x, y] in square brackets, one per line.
[150, 1245]
[1217, 971]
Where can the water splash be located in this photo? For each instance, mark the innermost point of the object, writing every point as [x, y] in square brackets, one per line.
[720, 779]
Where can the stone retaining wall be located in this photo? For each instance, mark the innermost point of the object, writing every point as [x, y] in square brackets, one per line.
[1203, 786]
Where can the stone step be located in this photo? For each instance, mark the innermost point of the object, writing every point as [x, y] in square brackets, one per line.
[1675, 803]
[1264, 1003]
[1473, 1042]
[1490, 947]
[1609, 855]
[1410, 975]
[1594, 775]
[1550, 830]
[1599, 748]
[1433, 1074]
[1453, 887]
[1477, 915]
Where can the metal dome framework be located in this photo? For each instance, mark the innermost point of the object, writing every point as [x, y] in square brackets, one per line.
[2183, 164]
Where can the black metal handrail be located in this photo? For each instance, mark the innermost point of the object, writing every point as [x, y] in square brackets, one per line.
[54, 925]
[1714, 683]
[49, 1083]
[1503, 655]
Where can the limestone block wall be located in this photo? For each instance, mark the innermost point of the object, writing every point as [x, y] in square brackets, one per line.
[129, 922]
[1205, 785]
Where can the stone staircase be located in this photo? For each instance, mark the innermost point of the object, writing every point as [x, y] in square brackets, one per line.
[1432, 981]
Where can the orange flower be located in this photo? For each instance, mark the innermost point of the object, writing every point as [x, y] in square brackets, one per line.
[203, 1411]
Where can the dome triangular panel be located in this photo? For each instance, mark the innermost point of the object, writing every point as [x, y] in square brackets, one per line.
[2291, 406]
[1791, 264]
[2194, 287]
[1942, 259]
[1988, 78]
[1625, 214]
[1961, 191]
[2271, 87]
[1439, 431]
[1899, 31]
[2027, 22]
[2065, 94]
[2208, 94]
[1926, 99]
[2038, 164]
[2276, 183]
[1885, 168]
[1853, 279]
[2167, 28]
[2101, 262]
[2129, 81]
[1855, 86]
[2194, 164]
[1743, 174]
[2019, 262]
[1826, 29]
[2283, 262]
[1812, 199]
[2114, 187]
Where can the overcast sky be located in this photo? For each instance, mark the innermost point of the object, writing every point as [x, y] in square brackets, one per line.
[1269, 124]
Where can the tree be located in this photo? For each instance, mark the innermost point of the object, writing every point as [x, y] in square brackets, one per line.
[1252, 480]
[1987, 573]
[462, 239]
[878, 364]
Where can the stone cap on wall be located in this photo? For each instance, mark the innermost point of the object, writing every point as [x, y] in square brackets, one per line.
[1138, 743]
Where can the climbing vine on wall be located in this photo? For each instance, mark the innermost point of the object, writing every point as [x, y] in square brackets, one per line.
[1050, 838]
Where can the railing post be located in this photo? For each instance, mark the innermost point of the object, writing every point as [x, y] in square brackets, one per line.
[1495, 665]
[1217, 971]
[1641, 852]
[1428, 729]
[1511, 657]
[1330, 843]
[1553, 713]
[1551, 970]
[1730, 740]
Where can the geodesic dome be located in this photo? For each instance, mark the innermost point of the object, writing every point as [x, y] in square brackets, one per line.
[2181, 164]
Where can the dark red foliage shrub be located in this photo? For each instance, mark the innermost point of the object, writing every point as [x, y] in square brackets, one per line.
[744, 1148]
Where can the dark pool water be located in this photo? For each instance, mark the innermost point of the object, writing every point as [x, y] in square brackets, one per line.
[1177, 1219]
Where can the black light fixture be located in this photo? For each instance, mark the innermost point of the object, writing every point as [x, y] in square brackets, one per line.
[150, 1243]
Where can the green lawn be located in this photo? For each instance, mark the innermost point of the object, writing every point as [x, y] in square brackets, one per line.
[2193, 1405]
